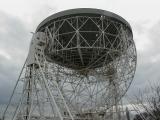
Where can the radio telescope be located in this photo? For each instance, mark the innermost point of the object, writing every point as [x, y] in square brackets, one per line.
[81, 62]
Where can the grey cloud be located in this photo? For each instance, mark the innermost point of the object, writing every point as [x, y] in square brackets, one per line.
[7, 79]
[139, 27]
[154, 35]
[14, 38]
[147, 70]
[15, 35]
[40, 14]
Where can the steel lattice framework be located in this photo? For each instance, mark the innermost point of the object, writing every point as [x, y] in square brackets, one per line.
[81, 62]
[93, 55]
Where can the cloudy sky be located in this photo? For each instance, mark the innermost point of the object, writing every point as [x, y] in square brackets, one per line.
[20, 17]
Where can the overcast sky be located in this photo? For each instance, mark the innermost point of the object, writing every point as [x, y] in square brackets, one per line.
[20, 17]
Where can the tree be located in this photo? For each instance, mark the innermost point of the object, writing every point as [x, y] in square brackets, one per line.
[149, 102]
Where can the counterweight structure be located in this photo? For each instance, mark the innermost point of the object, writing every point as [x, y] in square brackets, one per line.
[80, 64]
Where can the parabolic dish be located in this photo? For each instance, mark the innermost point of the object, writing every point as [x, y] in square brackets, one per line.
[81, 38]
[93, 56]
